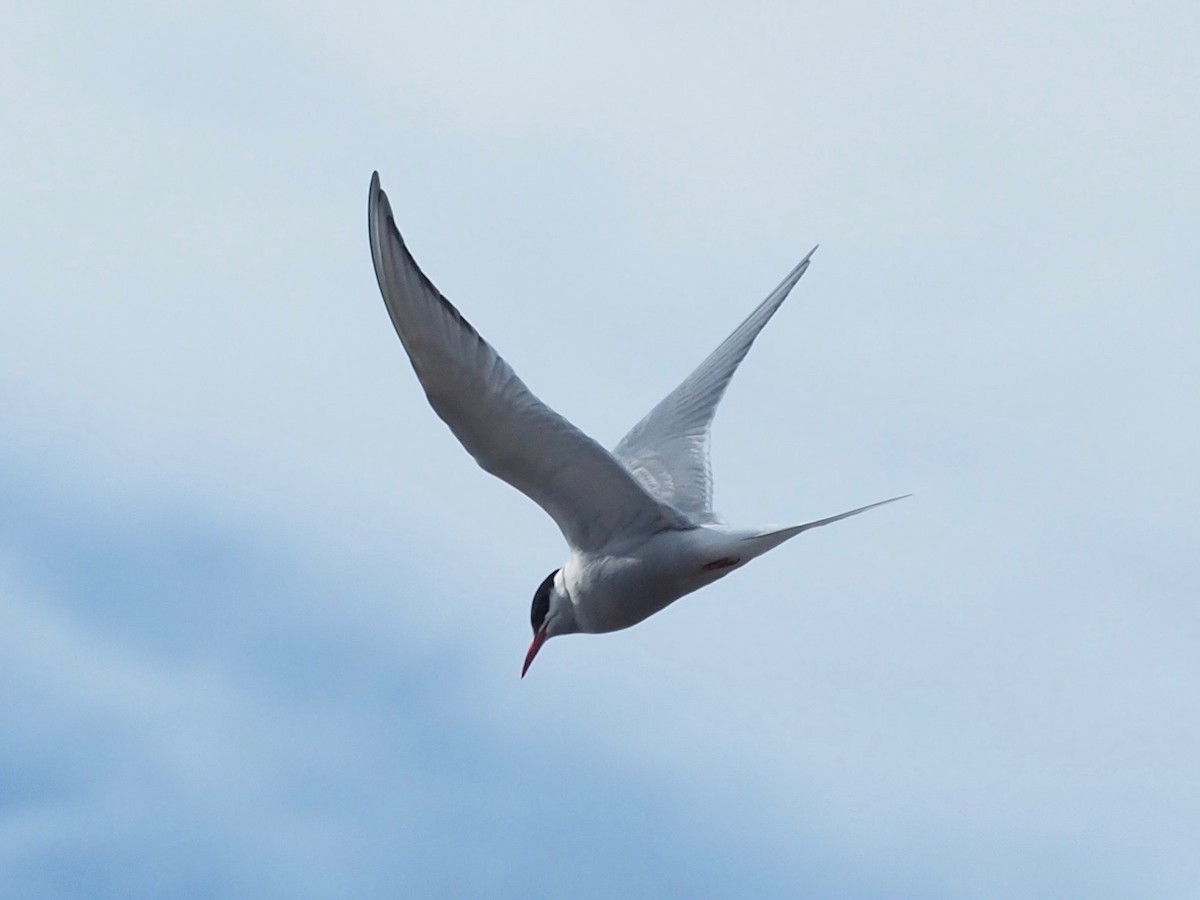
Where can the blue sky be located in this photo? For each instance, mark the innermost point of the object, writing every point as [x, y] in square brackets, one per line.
[263, 618]
[193, 717]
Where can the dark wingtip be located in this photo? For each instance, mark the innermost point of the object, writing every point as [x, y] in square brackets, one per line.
[375, 192]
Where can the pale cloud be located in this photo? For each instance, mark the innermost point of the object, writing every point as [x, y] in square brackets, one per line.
[1000, 318]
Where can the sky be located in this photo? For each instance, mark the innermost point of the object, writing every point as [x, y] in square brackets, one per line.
[263, 619]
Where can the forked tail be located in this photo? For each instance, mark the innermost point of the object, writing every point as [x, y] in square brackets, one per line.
[773, 538]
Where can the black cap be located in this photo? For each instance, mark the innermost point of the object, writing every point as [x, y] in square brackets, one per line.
[541, 602]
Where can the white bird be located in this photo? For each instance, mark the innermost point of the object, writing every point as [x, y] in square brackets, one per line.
[639, 520]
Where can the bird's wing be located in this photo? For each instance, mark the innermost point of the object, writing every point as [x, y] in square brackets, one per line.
[509, 431]
[667, 451]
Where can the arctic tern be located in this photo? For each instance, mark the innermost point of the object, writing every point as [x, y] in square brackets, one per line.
[638, 520]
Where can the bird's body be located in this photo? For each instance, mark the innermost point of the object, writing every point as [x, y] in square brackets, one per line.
[638, 520]
[625, 583]
[632, 579]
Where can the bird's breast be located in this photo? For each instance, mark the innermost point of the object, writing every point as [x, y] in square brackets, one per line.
[617, 589]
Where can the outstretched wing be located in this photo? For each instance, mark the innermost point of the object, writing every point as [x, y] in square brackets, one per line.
[509, 431]
[667, 451]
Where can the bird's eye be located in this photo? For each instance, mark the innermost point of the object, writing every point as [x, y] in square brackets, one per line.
[541, 602]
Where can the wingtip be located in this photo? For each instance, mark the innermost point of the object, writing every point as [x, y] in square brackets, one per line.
[372, 203]
[802, 266]
[377, 199]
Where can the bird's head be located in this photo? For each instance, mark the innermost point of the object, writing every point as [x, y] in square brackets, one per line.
[550, 614]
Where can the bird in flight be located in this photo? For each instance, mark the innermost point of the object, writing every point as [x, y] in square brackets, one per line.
[638, 520]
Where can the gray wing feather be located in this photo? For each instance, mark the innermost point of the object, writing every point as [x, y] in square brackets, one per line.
[667, 451]
[509, 431]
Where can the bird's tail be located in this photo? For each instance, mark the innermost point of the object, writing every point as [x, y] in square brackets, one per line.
[767, 540]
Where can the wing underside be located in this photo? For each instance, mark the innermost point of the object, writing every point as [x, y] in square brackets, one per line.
[509, 431]
[668, 450]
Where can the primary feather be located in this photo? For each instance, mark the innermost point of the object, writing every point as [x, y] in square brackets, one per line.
[668, 450]
[510, 432]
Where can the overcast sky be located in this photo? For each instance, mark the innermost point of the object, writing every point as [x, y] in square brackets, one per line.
[262, 619]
